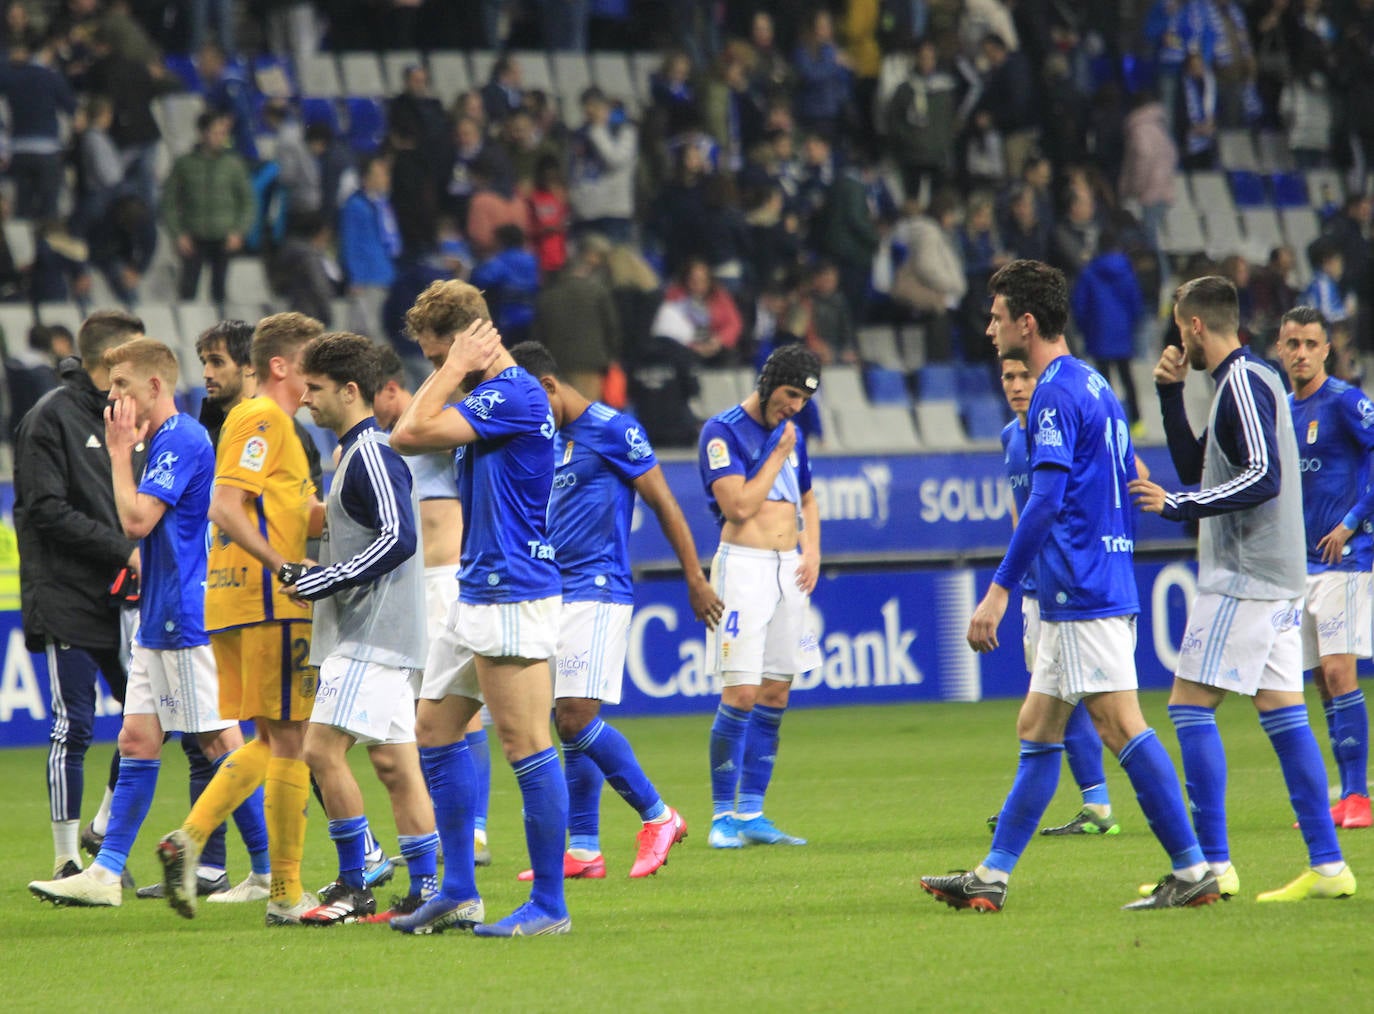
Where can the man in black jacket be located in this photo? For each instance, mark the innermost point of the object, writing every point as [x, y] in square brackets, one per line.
[71, 549]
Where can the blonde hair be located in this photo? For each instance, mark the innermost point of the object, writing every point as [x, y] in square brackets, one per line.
[446, 308]
[281, 334]
[147, 355]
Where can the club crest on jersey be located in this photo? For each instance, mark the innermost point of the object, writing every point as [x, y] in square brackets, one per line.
[567, 452]
[1366, 408]
[1047, 429]
[161, 471]
[483, 403]
[254, 454]
[1312, 432]
[638, 443]
[717, 454]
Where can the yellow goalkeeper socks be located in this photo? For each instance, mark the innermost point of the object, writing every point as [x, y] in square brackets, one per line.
[285, 803]
[237, 778]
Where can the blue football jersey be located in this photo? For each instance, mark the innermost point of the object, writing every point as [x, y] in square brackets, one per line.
[504, 478]
[732, 443]
[1335, 430]
[1075, 423]
[598, 456]
[181, 473]
[1016, 456]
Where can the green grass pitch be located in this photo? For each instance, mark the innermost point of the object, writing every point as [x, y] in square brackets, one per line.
[884, 794]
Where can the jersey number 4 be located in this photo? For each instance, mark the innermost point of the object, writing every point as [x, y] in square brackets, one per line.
[731, 625]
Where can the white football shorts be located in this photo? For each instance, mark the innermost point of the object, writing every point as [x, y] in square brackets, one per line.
[1030, 629]
[592, 637]
[1077, 658]
[493, 630]
[178, 685]
[766, 629]
[441, 591]
[1242, 645]
[1335, 616]
[371, 702]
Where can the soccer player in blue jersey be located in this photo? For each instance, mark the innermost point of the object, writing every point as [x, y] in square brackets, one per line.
[441, 536]
[369, 631]
[757, 476]
[1082, 744]
[1079, 528]
[497, 642]
[172, 685]
[1334, 423]
[1243, 627]
[603, 459]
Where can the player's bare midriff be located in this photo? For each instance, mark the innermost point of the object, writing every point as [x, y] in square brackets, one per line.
[773, 527]
[441, 528]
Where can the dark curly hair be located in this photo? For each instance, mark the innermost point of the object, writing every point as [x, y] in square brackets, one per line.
[1035, 288]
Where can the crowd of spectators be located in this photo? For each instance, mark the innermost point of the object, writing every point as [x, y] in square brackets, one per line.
[795, 172]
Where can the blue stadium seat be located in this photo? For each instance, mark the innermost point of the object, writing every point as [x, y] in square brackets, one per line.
[976, 379]
[886, 387]
[984, 416]
[184, 67]
[366, 124]
[189, 401]
[1248, 189]
[1290, 190]
[938, 382]
[317, 110]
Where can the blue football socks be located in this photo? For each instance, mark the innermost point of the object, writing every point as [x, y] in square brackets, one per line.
[350, 835]
[1152, 775]
[727, 757]
[616, 759]
[421, 852]
[584, 780]
[760, 754]
[133, 795]
[480, 751]
[201, 769]
[1204, 772]
[1037, 777]
[1305, 774]
[1083, 748]
[1349, 722]
[448, 770]
[545, 795]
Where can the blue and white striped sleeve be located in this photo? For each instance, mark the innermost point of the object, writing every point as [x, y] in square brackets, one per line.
[1245, 432]
[376, 494]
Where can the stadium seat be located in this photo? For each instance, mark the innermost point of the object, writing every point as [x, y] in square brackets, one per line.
[1222, 228]
[878, 346]
[611, 72]
[320, 110]
[448, 75]
[976, 380]
[1210, 192]
[1324, 187]
[875, 428]
[1237, 150]
[274, 76]
[642, 68]
[938, 382]
[1274, 153]
[19, 238]
[366, 124]
[1290, 190]
[1300, 228]
[718, 392]
[481, 61]
[184, 68]
[940, 426]
[886, 386]
[361, 74]
[67, 314]
[176, 114]
[1262, 233]
[1247, 188]
[190, 399]
[325, 440]
[843, 387]
[160, 322]
[1182, 232]
[534, 70]
[571, 77]
[319, 77]
[395, 63]
[15, 321]
[911, 340]
[984, 415]
[246, 282]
